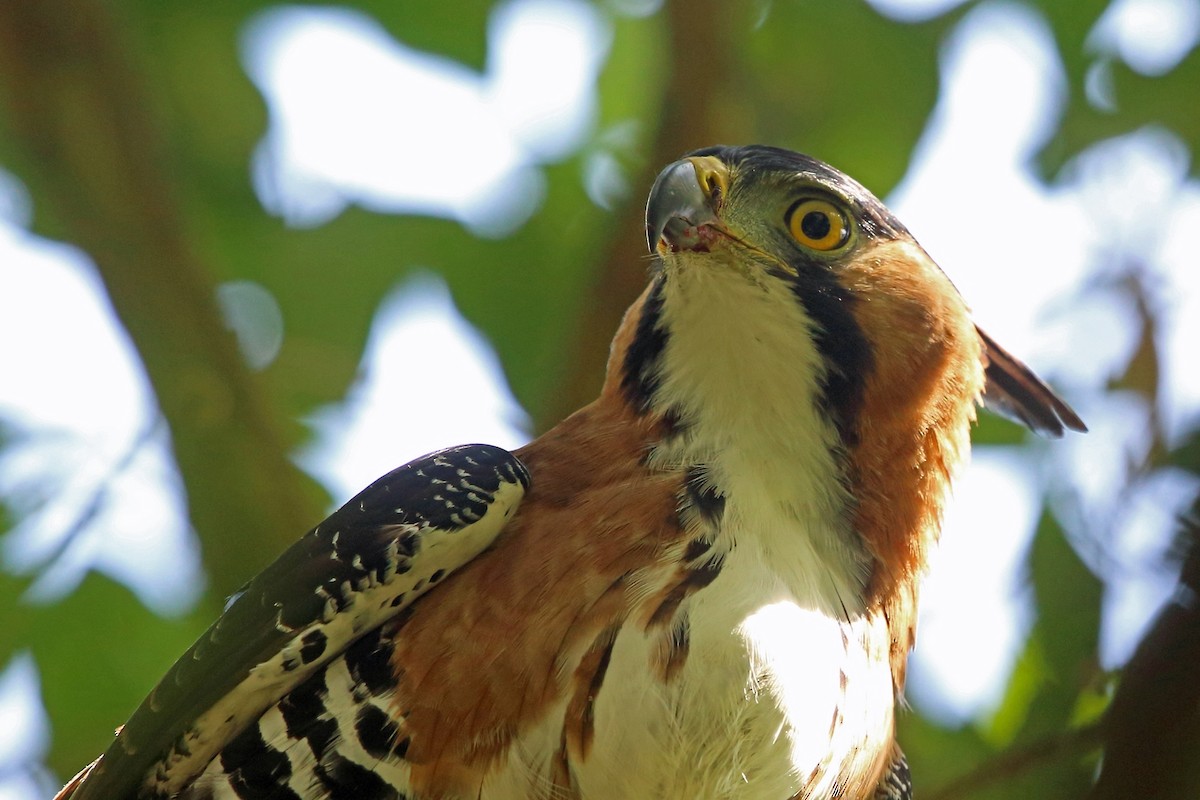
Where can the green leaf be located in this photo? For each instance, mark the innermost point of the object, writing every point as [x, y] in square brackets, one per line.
[1068, 599]
[457, 30]
[1141, 100]
[843, 83]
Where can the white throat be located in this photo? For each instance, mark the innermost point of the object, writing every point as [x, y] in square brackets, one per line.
[742, 371]
[786, 687]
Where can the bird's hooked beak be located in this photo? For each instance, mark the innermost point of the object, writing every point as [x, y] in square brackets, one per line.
[681, 213]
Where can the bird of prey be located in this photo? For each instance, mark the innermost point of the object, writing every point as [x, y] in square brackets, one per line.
[701, 585]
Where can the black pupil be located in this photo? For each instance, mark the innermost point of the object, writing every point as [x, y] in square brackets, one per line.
[815, 225]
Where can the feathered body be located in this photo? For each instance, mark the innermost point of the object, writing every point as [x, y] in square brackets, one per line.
[709, 587]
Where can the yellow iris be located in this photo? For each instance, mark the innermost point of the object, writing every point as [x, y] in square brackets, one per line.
[818, 224]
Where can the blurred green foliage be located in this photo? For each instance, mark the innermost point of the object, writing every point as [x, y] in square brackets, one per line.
[133, 125]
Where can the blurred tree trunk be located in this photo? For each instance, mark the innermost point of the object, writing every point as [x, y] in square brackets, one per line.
[1152, 729]
[87, 131]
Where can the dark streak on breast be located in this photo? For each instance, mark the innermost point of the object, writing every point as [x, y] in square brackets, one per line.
[580, 719]
[640, 376]
[703, 496]
[588, 721]
[673, 423]
[696, 548]
[677, 646]
[693, 581]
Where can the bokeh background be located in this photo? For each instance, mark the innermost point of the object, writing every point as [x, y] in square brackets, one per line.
[254, 255]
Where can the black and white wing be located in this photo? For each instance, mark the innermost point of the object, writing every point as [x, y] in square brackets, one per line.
[352, 573]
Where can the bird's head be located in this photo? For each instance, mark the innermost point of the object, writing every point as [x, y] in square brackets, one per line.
[747, 232]
[730, 222]
[785, 291]
[789, 209]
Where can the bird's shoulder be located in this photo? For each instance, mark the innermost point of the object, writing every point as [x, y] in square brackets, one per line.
[598, 544]
[365, 564]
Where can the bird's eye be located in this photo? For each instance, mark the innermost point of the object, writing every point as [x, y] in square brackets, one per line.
[818, 224]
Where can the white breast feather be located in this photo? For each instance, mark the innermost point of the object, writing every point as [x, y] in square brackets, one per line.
[750, 715]
[741, 364]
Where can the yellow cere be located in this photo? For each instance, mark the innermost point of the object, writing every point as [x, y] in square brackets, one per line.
[713, 176]
[818, 224]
